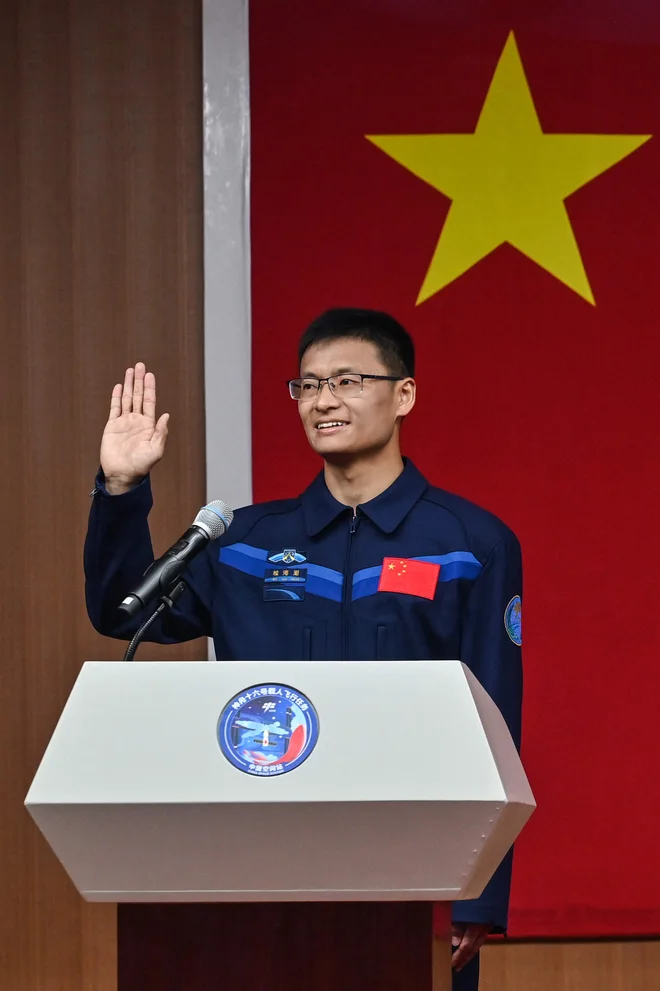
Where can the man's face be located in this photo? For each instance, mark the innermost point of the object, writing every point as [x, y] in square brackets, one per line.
[364, 423]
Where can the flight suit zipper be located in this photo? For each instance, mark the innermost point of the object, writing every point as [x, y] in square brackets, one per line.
[347, 591]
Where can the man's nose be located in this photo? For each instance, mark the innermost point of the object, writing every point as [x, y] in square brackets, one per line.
[325, 397]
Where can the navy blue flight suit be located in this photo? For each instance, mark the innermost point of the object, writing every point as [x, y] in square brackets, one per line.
[239, 594]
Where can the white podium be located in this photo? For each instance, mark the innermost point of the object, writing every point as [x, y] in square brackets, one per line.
[413, 791]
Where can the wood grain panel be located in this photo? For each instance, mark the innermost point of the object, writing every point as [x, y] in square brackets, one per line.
[594, 966]
[332, 946]
[100, 265]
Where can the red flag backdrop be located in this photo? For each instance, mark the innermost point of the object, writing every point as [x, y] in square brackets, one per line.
[533, 401]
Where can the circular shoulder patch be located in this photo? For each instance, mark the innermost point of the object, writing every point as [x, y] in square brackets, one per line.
[268, 729]
[513, 620]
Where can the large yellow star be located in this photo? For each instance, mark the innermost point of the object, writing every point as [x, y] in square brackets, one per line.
[507, 181]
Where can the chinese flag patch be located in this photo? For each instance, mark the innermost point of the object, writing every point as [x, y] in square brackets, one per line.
[410, 577]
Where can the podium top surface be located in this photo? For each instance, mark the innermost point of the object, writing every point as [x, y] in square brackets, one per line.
[404, 731]
[410, 787]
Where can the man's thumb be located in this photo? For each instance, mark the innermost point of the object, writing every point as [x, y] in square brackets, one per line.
[160, 430]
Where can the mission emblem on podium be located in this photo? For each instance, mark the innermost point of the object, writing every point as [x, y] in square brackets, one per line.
[268, 729]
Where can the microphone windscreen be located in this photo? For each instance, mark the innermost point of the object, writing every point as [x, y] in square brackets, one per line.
[214, 518]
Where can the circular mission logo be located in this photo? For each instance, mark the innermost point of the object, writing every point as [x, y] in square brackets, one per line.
[513, 620]
[268, 729]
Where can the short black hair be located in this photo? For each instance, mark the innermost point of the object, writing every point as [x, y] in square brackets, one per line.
[393, 342]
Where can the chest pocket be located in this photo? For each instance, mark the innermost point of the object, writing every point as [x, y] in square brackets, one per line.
[314, 641]
[388, 643]
[296, 637]
[392, 644]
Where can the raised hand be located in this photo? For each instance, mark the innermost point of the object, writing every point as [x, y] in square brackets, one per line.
[133, 441]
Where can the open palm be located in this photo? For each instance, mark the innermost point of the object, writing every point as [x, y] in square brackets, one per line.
[133, 441]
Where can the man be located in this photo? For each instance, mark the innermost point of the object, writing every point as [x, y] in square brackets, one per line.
[351, 538]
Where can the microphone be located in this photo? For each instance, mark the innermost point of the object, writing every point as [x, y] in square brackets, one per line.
[161, 577]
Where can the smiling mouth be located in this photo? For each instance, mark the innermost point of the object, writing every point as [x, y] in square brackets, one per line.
[331, 424]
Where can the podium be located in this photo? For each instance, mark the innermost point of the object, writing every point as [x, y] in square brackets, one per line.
[316, 871]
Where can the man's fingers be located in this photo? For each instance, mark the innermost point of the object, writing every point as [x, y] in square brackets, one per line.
[160, 432]
[463, 954]
[161, 426]
[138, 387]
[469, 946]
[127, 393]
[460, 956]
[149, 400]
[115, 402]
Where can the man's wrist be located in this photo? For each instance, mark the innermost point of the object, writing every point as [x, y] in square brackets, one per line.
[118, 485]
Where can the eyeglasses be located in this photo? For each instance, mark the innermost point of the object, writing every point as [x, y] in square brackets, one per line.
[342, 386]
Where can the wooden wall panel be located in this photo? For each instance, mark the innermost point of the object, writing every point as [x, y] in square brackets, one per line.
[100, 265]
[590, 966]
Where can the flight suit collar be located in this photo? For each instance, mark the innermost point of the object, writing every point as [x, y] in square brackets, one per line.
[387, 510]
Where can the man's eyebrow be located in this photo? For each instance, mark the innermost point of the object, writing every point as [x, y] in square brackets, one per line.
[338, 371]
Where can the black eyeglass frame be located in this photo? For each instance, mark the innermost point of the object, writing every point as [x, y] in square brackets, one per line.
[381, 378]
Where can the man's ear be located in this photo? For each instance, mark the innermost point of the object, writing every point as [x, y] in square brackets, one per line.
[407, 396]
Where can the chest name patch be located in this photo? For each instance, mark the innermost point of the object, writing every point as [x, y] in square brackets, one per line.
[285, 584]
